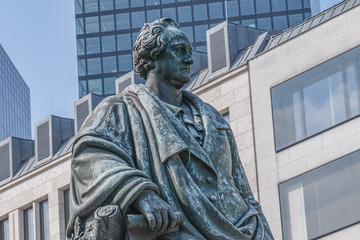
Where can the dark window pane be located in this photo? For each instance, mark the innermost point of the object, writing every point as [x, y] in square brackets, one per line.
[183, 0]
[4, 230]
[125, 62]
[137, 3]
[109, 85]
[138, 19]
[82, 90]
[28, 224]
[295, 19]
[108, 43]
[92, 24]
[200, 32]
[233, 8]
[67, 209]
[152, 2]
[134, 37]
[93, 45]
[264, 23]
[307, 3]
[122, 21]
[247, 7]
[79, 26]
[169, 12]
[263, 6]
[106, 5]
[248, 22]
[216, 10]
[280, 23]
[123, 42]
[200, 12]
[278, 5]
[80, 46]
[292, 5]
[121, 4]
[81, 67]
[95, 86]
[153, 15]
[353, 89]
[94, 66]
[167, 1]
[323, 200]
[44, 220]
[184, 14]
[307, 15]
[107, 23]
[78, 6]
[109, 64]
[189, 33]
[91, 6]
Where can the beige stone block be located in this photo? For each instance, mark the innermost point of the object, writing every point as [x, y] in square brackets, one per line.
[292, 169]
[243, 124]
[264, 133]
[247, 156]
[263, 182]
[260, 151]
[339, 133]
[275, 226]
[265, 61]
[352, 17]
[272, 178]
[275, 211]
[241, 93]
[258, 118]
[266, 165]
[270, 147]
[255, 83]
[323, 156]
[245, 140]
[350, 144]
[296, 46]
[330, 29]
[345, 41]
[283, 157]
[268, 197]
[224, 101]
[261, 101]
[239, 109]
[211, 94]
[313, 56]
[267, 114]
[305, 148]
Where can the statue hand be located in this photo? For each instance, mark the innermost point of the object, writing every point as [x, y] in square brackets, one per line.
[158, 213]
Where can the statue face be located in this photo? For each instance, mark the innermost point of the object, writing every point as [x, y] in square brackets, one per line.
[173, 63]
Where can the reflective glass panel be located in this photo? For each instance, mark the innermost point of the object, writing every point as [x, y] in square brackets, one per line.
[93, 45]
[122, 21]
[216, 10]
[306, 3]
[189, 33]
[91, 6]
[184, 14]
[94, 66]
[316, 100]
[80, 46]
[134, 37]
[106, 5]
[152, 2]
[125, 62]
[295, 19]
[67, 209]
[109, 64]
[249, 22]
[247, 7]
[292, 5]
[44, 220]
[92, 24]
[169, 12]
[109, 85]
[323, 200]
[123, 42]
[4, 230]
[233, 8]
[121, 4]
[79, 26]
[201, 48]
[167, 1]
[137, 3]
[280, 22]
[81, 67]
[200, 12]
[278, 5]
[263, 6]
[28, 224]
[78, 6]
[200, 32]
[137, 19]
[108, 43]
[153, 15]
[82, 88]
[107, 23]
[264, 23]
[95, 86]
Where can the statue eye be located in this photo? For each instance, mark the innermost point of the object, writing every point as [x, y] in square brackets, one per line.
[180, 49]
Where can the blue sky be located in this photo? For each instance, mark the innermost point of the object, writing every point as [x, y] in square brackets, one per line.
[39, 37]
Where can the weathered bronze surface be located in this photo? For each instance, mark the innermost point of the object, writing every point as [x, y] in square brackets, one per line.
[161, 153]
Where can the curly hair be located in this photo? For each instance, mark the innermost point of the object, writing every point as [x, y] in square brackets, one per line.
[150, 43]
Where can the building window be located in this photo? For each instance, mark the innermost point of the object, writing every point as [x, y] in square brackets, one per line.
[247, 7]
[28, 224]
[233, 8]
[216, 10]
[95, 86]
[184, 14]
[107, 23]
[92, 24]
[94, 66]
[109, 64]
[169, 12]
[67, 209]
[109, 85]
[108, 43]
[106, 5]
[4, 230]
[323, 200]
[316, 100]
[92, 45]
[226, 116]
[200, 12]
[44, 220]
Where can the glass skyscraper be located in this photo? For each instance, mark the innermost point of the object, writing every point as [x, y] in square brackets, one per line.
[15, 118]
[107, 29]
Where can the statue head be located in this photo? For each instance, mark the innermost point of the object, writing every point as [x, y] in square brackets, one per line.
[151, 41]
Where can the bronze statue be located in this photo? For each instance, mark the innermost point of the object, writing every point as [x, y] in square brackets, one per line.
[156, 162]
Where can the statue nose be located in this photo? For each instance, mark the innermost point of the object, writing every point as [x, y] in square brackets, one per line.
[189, 60]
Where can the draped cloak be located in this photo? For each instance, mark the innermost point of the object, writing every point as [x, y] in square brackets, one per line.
[127, 145]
